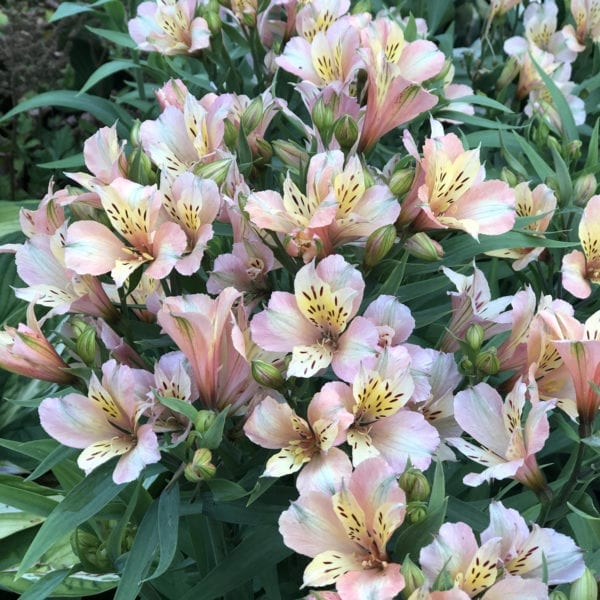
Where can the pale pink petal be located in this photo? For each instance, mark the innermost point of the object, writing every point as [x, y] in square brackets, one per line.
[324, 473]
[100, 452]
[380, 584]
[387, 310]
[574, 275]
[168, 245]
[420, 60]
[516, 588]
[309, 360]
[144, 453]
[270, 424]
[329, 566]
[358, 342]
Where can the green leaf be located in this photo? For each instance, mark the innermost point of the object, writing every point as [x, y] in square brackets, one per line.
[438, 489]
[27, 496]
[82, 502]
[476, 121]
[569, 129]
[225, 490]
[214, 434]
[13, 520]
[69, 9]
[56, 456]
[116, 37]
[539, 165]
[9, 216]
[45, 585]
[106, 70]
[563, 176]
[70, 162]
[179, 406]
[583, 514]
[104, 110]
[592, 158]
[261, 549]
[484, 101]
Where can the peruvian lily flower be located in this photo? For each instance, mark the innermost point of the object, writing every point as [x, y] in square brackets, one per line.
[26, 351]
[318, 16]
[509, 588]
[449, 191]
[169, 27]
[395, 70]
[274, 424]
[211, 333]
[507, 446]
[587, 18]
[540, 203]
[317, 323]
[106, 422]
[346, 533]
[581, 269]
[133, 210]
[531, 554]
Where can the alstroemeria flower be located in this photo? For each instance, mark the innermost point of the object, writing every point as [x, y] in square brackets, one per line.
[587, 18]
[507, 446]
[26, 351]
[580, 269]
[212, 335]
[169, 27]
[532, 554]
[134, 212]
[450, 192]
[106, 422]
[319, 15]
[346, 533]
[540, 203]
[274, 424]
[317, 323]
[509, 588]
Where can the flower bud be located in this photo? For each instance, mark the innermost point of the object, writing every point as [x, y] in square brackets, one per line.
[204, 419]
[213, 20]
[416, 512]
[140, 168]
[322, 117]
[401, 180]
[487, 362]
[134, 135]
[509, 177]
[289, 153]
[574, 149]
[253, 115]
[85, 344]
[585, 588]
[267, 375]
[379, 243]
[556, 595]
[217, 170]
[201, 467]
[345, 131]
[465, 366]
[475, 336]
[421, 246]
[91, 552]
[230, 134]
[554, 144]
[413, 576]
[362, 6]
[415, 485]
[264, 152]
[584, 189]
[509, 72]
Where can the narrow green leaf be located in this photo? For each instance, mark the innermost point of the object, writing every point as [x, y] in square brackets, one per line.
[70, 162]
[583, 514]
[38, 449]
[592, 157]
[438, 489]
[106, 70]
[168, 529]
[225, 490]
[27, 501]
[56, 456]
[82, 502]
[179, 406]
[569, 129]
[476, 121]
[214, 434]
[69, 9]
[45, 585]
[261, 549]
[484, 101]
[540, 166]
[565, 185]
[116, 37]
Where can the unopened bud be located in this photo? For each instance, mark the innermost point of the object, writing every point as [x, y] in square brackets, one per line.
[253, 115]
[509, 177]
[346, 132]
[556, 595]
[249, 18]
[401, 180]
[91, 552]
[201, 467]
[204, 419]
[230, 134]
[379, 243]
[413, 577]
[585, 187]
[214, 22]
[289, 153]
[465, 366]
[85, 344]
[509, 72]
[362, 6]
[554, 144]
[416, 512]
[415, 485]
[487, 362]
[217, 170]
[264, 151]
[585, 588]
[140, 168]
[475, 336]
[267, 375]
[134, 135]
[574, 149]
[421, 246]
[322, 117]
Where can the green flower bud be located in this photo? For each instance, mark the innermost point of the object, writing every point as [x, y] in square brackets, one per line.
[322, 117]
[289, 153]
[267, 375]
[415, 485]
[213, 20]
[346, 132]
[401, 180]
[465, 366]
[416, 512]
[585, 187]
[556, 595]
[574, 149]
[475, 336]
[217, 170]
[379, 243]
[509, 177]
[264, 151]
[585, 588]
[230, 134]
[413, 577]
[140, 167]
[362, 6]
[201, 467]
[253, 115]
[85, 344]
[134, 134]
[204, 419]
[487, 362]
[91, 552]
[421, 246]
[553, 143]
[509, 72]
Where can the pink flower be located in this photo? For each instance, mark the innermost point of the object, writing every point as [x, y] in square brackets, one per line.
[26, 351]
[508, 446]
[346, 533]
[587, 18]
[106, 422]
[317, 323]
[449, 191]
[580, 269]
[319, 15]
[169, 27]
